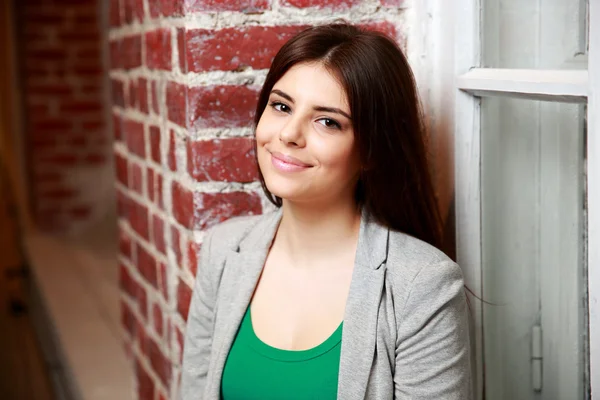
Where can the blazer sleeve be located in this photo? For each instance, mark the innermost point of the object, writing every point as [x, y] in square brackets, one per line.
[432, 347]
[199, 329]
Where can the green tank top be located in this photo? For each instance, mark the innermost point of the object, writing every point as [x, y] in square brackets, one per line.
[256, 371]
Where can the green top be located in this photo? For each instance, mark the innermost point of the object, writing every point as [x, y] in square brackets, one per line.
[256, 371]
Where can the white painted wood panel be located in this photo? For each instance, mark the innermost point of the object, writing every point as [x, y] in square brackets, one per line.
[465, 42]
[567, 86]
[550, 33]
[593, 200]
[510, 185]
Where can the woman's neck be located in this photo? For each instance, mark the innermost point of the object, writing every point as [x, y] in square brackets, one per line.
[309, 234]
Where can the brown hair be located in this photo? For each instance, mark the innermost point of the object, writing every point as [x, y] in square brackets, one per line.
[395, 186]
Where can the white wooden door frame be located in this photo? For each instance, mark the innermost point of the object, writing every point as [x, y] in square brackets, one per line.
[593, 191]
[563, 86]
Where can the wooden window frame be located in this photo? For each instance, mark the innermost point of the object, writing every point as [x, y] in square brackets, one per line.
[462, 51]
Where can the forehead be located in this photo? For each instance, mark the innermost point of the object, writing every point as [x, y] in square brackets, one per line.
[313, 84]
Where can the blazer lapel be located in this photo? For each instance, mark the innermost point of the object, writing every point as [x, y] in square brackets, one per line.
[242, 270]
[359, 332]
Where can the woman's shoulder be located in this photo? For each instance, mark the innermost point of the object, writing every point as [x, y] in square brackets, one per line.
[413, 262]
[230, 233]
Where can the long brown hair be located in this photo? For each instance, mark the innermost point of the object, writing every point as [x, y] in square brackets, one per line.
[395, 186]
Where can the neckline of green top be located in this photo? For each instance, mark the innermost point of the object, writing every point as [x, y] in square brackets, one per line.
[290, 355]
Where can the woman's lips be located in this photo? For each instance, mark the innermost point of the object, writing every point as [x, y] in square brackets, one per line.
[287, 163]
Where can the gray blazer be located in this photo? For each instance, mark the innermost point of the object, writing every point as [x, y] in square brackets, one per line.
[405, 332]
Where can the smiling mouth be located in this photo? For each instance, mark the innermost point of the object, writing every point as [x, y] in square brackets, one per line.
[287, 163]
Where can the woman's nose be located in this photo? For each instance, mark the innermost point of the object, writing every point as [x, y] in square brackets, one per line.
[292, 133]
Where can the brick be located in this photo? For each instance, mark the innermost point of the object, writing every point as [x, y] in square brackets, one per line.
[154, 94]
[145, 384]
[137, 179]
[122, 167]
[81, 106]
[155, 8]
[124, 244]
[180, 341]
[147, 266]
[163, 283]
[52, 124]
[127, 11]
[221, 106]
[171, 155]
[157, 318]
[114, 54]
[117, 92]
[160, 364]
[158, 49]
[184, 297]
[183, 205]
[78, 37]
[181, 49]
[51, 18]
[177, 103]
[225, 160]
[131, 52]
[53, 89]
[335, 4]
[142, 303]
[127, 318]
[158, 183]
[172, 8]
[47, 55]
[158, 234]
[244, 6]
[138, 9]
[123, 204]
[203, 210]
[114, 13]
[193, 252]
[232, 49]
[132, 94]
[126, 282]
[143, 95]
[88, 71]
[150, 184]
[176, 246]
[134, 136]
[155, 143]
[213, 208]
[138, 218]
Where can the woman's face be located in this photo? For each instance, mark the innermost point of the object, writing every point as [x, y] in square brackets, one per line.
[305, 141]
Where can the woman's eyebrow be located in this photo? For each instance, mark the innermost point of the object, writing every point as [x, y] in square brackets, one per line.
[283, 94]
[331, 110]
[316, 108]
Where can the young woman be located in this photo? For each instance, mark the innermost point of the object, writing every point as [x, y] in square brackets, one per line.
[340, 293]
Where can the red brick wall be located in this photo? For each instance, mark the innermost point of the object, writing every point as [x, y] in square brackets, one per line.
[67, 141]
[184, 81]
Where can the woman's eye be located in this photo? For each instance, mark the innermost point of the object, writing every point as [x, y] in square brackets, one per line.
[277, 106]
[330, 123]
